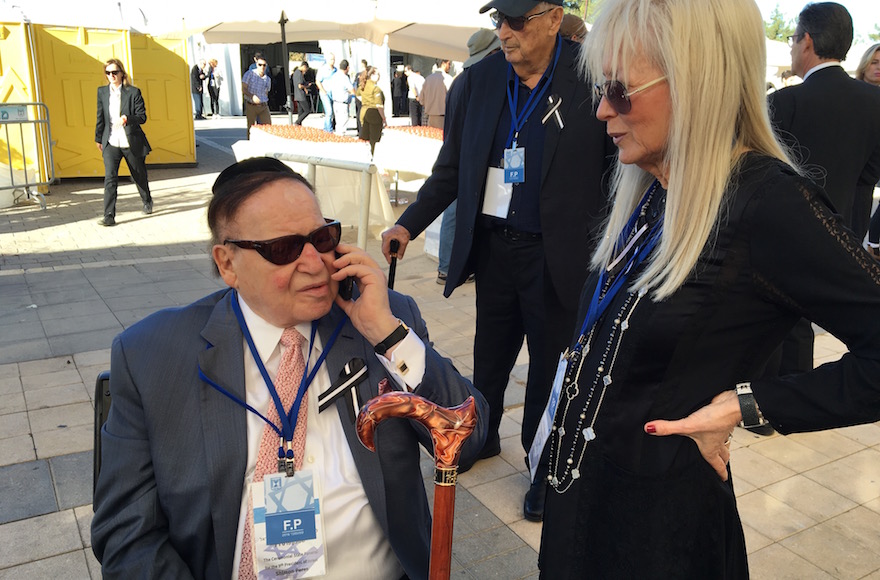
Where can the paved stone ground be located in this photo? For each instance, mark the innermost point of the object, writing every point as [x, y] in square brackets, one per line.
[810, 503]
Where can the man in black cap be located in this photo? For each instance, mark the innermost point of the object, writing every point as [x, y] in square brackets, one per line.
[524, 156]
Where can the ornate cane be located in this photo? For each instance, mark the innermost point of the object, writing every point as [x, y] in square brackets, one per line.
[449, 428]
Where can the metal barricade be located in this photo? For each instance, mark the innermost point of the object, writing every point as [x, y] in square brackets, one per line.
[27, 137]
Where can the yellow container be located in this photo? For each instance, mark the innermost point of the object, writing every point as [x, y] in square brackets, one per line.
[69, 63]
[23, 155]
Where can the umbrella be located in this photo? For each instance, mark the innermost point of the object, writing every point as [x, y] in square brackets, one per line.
[437, 29]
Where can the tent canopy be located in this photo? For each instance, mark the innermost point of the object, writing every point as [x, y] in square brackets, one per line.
[439, 30]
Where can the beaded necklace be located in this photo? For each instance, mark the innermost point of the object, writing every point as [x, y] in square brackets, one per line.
[634, 244]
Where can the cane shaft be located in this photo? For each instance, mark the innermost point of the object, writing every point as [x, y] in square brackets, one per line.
[392, 271]
[394, 247]
[441, 532]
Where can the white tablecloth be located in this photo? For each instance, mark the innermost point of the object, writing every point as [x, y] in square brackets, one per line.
[397, 154]
[338, 190]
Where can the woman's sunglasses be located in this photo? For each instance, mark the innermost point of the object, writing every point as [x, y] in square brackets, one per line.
[516, 23]
[618, 97]
[287, 249]
[112, 73]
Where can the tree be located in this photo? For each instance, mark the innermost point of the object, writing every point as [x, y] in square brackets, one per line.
[574, 7]
[875, 36]
[592, 10]
[778, 28]
[586, 9]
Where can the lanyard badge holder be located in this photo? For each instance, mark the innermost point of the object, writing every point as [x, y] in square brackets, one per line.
[287, 524]
[515, 156]
[642, 243]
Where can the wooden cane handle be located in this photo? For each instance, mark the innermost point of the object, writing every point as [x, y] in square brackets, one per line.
[449, 427]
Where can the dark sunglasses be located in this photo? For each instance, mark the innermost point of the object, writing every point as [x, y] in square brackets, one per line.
[287, 249]
[261, 64]
[515, 23]
[112, 72]
[618, 97]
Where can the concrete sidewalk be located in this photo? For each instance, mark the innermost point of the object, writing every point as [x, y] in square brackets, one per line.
[810, 503]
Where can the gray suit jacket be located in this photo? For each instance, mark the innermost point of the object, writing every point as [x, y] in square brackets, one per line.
[174, 448]
[133, 107]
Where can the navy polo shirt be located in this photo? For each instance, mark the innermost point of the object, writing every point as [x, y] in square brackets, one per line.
[524, 212]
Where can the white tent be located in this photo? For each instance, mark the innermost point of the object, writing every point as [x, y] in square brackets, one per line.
[439, 30]
[103, 14]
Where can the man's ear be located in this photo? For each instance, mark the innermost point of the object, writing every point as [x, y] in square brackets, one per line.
[808, 42]
[556, 19]
[223, 254]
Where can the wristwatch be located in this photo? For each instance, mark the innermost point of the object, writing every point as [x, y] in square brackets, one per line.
[399, 334]
[748, 407]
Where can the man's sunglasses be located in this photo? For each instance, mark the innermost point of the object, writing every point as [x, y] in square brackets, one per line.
[287, 249]
[112, 73]
[516, 23]
[261, 64]
[618, 97]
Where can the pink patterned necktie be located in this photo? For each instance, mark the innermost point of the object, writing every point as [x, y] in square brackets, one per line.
[287, 381]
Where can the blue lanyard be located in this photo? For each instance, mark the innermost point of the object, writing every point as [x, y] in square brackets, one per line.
[288, 420]
[517, 121]
[599, 305]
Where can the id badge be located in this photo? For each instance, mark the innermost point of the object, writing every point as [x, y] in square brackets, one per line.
[496, 199]
[515, 165]
[288, 526]
[546, 424]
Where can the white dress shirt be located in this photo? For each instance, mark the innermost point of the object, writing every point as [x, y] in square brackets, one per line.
[354, 543]
[821, 66]
[117, 138]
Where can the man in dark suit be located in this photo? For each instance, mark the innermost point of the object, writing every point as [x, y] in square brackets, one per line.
[832, 122]
[118, 134]
[301, 88]
[180, 451]
[528, 240]
[197, 88]
[831, 119]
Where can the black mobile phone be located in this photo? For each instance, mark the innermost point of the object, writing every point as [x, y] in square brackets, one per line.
[346, 287]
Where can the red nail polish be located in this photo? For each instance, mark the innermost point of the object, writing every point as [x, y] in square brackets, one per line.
[651, 429]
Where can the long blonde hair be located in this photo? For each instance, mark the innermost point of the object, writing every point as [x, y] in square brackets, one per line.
[713, 55]
[866, 60]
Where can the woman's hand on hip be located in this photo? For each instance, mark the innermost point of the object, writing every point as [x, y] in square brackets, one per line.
[711, 428]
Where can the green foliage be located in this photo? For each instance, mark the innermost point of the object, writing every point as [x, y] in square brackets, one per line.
[574, 7]
[593, 10]
[875, 36]
[778, 28]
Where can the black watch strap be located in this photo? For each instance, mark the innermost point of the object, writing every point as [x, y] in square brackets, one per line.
[748, 406]
[399, 334]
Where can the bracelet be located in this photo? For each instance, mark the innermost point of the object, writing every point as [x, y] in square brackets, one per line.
[748, 407]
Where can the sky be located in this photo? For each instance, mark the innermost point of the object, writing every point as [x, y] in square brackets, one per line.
[865, 13]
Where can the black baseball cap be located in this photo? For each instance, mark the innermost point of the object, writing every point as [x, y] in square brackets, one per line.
[515, 7]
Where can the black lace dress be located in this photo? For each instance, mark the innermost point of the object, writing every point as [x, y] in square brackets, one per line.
[624, 504]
